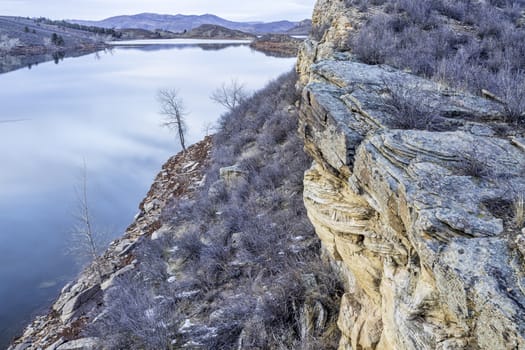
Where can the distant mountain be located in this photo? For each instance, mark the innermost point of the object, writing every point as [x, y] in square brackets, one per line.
[181, 23]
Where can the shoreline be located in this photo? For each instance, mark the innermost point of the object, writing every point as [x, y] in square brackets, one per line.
[81, 299]
[28, 56]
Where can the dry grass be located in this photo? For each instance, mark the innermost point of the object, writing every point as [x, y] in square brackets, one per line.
[519, 210]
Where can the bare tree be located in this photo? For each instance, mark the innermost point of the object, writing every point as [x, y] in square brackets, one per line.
[230, 95]
[209, 128]
[172, 107]
[86, 241]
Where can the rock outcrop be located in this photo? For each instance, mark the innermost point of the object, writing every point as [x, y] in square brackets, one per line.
[420, 213]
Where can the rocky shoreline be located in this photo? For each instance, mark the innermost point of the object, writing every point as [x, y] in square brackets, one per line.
[28, 56]
[81, 300]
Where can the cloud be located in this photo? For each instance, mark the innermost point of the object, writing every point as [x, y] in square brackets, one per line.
[98, 9]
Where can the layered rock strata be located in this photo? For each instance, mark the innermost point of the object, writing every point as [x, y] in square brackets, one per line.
[422, 221]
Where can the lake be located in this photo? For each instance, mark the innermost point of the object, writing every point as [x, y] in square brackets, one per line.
[100, 109]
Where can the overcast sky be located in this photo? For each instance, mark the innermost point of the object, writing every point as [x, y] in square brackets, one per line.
[238, 10]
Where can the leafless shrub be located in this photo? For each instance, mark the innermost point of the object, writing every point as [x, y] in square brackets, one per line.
[230, 326]
[512, 86]
[214, 264]
[238, 242]
[409, 106]
[189, 246]
[230, 95]
[420, 12]
[87, 241]
[135, 318]
[473, 165]
[417, 36]
[372, 43]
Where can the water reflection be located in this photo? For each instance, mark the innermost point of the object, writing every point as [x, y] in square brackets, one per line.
[13, 120]
[175, 42]
[101, 108]
[205, 47]
[10, 63]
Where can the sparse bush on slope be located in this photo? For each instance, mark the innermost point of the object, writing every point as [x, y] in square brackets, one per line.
[468, 44]
[241, 268]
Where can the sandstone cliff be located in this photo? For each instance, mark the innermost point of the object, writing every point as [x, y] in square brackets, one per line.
[423, 217]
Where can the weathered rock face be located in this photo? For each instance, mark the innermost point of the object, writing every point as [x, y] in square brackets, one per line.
[332, 24]
[422, 221]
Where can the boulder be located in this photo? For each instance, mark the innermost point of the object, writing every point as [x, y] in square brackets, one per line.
[75, 306]
[232, 173]
[81, 344]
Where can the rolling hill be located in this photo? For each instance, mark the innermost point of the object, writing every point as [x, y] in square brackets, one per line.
[181, 23]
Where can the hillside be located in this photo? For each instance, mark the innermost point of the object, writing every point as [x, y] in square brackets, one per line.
[213, 272]
[180, 23]
[210, 31]
[279, 45]
[394, 219]
[26, 41]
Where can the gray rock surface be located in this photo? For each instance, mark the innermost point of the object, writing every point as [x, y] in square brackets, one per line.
[78, 304]
[81, 344]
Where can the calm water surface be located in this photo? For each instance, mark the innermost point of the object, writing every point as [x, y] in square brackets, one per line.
[101, 109]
